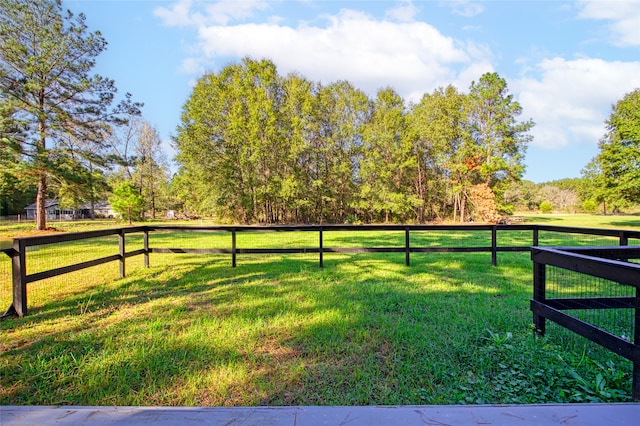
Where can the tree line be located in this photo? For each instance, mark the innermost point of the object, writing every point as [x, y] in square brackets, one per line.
[256, 146]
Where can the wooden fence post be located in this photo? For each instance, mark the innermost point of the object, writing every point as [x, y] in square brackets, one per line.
[146, 248]
[539, 295]
[321, 247]
[233, 248]
[624, 240]
[122, 251]
[19, 266]
[494, 245]
[407, 248]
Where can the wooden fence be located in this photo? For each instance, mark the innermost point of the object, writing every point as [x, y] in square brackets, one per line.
[490, 244]
[609, 266]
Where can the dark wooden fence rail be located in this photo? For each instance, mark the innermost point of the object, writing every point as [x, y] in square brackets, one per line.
[491, 246]
[608, 263]
[21, 278]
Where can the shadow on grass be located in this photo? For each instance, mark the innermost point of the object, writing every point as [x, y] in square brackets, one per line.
[273, 331]
[540, 219]
[634, 223]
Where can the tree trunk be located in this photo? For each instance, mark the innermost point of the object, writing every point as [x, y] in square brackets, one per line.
[455, 206]
[92, 212]
[421, 193]
[153, 204]
[463, 207]
[41, 196]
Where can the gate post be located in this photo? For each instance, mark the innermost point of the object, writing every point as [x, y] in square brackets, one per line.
[539, 287]
[635, 386]
[19, 281]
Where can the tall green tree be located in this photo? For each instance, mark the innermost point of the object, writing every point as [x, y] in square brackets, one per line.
[230, 139]
[595, 187]
[335, 150]
[46, 58]
[15, 189]
[387, 161]
[500, 140]
[150, 174]
[122, 143]
[263, 93]
[127, 201]
[438, 124]
[81, 173]
[297, 123]
[618, 161]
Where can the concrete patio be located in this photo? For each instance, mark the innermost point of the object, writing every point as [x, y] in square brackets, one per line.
[560, 414]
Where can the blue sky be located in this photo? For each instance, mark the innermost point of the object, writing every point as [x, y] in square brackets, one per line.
[566, 62]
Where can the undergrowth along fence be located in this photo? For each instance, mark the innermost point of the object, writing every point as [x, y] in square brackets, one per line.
[594, 292]
[39, 259]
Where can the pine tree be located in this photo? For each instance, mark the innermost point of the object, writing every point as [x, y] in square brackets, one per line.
[46, 57]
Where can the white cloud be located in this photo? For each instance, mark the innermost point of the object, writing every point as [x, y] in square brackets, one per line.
[177, 15]
[466, 8]
[571, 99]
[624, 17]
[404, 12]
[222, 12]
[225, 11]
[192, 66]
[410, 57]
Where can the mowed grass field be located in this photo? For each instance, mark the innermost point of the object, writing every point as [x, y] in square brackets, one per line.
[280, 330]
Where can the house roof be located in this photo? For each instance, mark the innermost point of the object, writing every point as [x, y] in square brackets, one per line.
[98, 205]
[47, 204]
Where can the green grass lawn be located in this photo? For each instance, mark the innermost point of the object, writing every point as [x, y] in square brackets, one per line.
[586, 220]
[279, 330]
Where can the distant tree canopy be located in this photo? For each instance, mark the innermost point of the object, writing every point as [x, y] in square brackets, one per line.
[570, 195]
[254, 146]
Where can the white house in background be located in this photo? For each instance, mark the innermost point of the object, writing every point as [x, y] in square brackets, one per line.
[54, 212]
[52, 207]
[102, 209]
